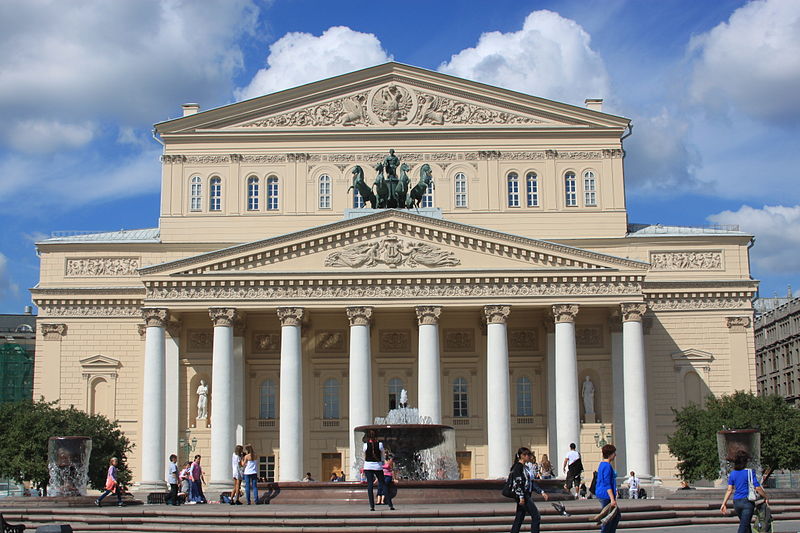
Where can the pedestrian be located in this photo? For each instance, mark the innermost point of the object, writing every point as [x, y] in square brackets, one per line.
[172, 480]
[533, 467]
[237, 470]
[373, 467]
[633, 486]
[186, 481]
[250, 474]
[334, 477]
[308, 477]
[341, 476]
[546, 467]
[607, 489]
[743, 485]
[112, 484]
[197, 479]
[573, 466]
[524, 487]
[388, 475]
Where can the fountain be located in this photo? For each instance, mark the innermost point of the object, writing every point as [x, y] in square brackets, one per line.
[68, 464]
[730, 441]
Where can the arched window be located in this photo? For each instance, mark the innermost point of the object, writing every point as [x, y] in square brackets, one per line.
[589, 188]
[330, 399]
[196, 193]
[461, 189]
[532, 189]
[571, 196]
[272, 193]
[513, 189]
[266, 407]
[324, 192]
[427, 198]
[215, 197]
[252, 194]
[395, 386]
[524, 397]
[460, 398]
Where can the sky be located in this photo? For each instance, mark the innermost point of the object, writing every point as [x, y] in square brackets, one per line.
[711, 87]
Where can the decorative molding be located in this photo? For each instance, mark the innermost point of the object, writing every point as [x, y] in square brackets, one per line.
[170, 159]
[90, 309]
[266, 342]
[333, 341]
[742, 322]
[155, 317]
[392, 104]
[101, 267]
[612, 152]
[392, 252]
[290, 316]
[489, 154]
[564, 313]
[699, 303]
[222, 316]
[459, 340]
[496, 314]
[589, 336]
[523, 340]
[142, 330]
[53, 332]
[200, 340]
[428, 314]
[677, 261]
[359, 316]
[439, 110]
[578, 155]
[394, 341]
[633, 312]
[264, 158]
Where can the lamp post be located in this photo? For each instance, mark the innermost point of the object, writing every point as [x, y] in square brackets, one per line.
[601, 439]
[188, 445]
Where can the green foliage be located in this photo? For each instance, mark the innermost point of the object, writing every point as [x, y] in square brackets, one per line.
[27, 426]
[694, 442]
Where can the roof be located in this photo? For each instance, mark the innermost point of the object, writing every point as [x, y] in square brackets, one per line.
[660, 230]
[148, 235]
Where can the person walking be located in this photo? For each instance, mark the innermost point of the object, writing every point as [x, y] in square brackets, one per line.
[250, 474]
[112, 485]
[607, 489]
[373, 467]
[197, 479]
[742, 484]
[172, 480]
[546, 467]
[573, 466]
[237, 470]
[633, 486]
[186, 482]
[524, 486]
[388, 475]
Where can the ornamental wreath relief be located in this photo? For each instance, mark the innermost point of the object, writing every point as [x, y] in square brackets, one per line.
[392, 252]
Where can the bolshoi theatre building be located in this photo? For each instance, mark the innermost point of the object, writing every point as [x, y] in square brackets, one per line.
[514, 301]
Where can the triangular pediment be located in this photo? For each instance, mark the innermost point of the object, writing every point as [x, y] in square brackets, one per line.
[395, 241]
[392, 96]
[692, 355]
[99, 362]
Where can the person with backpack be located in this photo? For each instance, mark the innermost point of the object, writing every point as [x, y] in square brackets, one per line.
[523, 487]
[573, 466]
[373, 468]
[743, 485]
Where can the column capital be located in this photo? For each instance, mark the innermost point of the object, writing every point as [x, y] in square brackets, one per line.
[565, 313]
[290, 316]
[222, 316]
[155, 317]
[359, 315]
[496, 314]
[53, 332]
[633, 312]
[428, 314]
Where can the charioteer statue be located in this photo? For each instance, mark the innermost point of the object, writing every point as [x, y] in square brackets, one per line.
[391, 191]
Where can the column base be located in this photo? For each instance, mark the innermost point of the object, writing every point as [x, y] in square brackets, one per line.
[214, 488]
[152, 486]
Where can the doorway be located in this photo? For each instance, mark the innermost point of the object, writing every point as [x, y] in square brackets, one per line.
[464, 460]
[331, 463]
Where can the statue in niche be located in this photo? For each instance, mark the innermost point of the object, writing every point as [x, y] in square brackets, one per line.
[403, 398]
[588, 396]
[202, 400]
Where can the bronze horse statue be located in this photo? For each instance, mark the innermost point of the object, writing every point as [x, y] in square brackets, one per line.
[402, 185]
[381, 186]
[360, 185]
[425, 180]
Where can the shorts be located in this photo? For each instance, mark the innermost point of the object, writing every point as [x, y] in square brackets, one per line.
[573, 479]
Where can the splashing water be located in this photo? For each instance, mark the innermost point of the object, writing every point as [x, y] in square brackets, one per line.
[68, 464]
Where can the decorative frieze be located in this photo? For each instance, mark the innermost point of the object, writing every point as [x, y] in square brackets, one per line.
[578, 155]
[392, 252]
[200, 340]
[208, 159]
[612, 152]
[100, 309]
[359, 316]
[459, 340]
[265, 158]
[266, 342]
[53, 332]
[676, 261]
[698, 303]
[633, 312]
[290, 316]
[222, 316]
[155, 317]
[170, 159]
[738, 322]
[394, 341]
[522, 340]
[428, 314]
[101, 266]
[589, 336]
[564, 313]
[330, 342]
[496, 314]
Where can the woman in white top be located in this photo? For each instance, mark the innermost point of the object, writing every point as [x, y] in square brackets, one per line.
[238, 473]
[250, 473]
[373, 467]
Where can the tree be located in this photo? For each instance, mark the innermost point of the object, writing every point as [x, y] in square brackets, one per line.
[694, 442]
[27, 426]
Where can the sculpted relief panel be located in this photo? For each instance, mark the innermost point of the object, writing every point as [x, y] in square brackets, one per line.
[101, 266]
[709, 260]
[392, 252]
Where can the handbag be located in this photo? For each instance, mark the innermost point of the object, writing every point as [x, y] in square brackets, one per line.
[508, 488]
[751, 490]
[111, 484]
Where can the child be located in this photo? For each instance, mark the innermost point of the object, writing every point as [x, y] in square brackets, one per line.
[186, 475]
[172, 480]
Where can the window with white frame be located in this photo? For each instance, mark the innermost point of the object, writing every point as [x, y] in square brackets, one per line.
[215, 194]
[324, 192]
[266, 406]
[524, 398]
[427, 198]
[395, 386]
[570, 189]
[513, 189]
[252, 193]
[272, 193]
[532, 189]
[460, 398]
[330, 399]
[358, 200]
[461, 189]
[589, 188]
[196, 193]
[266, 468]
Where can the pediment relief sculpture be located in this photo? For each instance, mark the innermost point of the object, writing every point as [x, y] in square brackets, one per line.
[392, 252]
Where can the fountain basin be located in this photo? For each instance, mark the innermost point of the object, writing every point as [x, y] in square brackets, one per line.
[421, 451]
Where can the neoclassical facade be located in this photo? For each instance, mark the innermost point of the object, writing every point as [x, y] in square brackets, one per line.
[517, 281]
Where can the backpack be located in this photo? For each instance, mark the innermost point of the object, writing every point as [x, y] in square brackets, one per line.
[593, 486]
[508, 487]
[575, 468]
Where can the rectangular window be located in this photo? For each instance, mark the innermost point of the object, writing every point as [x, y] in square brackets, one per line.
[252, 194]
[272, 194]
[427, 198]
[513, 190]
[533, 190]
[358, 201]
[460, 406]
[266, 468]
[324, 192]
[461, 190]
[571, 195]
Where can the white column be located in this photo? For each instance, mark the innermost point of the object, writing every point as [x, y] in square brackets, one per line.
[498, 409]
[172, 396]
[618, 386]
[239, 392]
[568, 425]
[222, 425]
[290, 466]
[552, 441]
[634, 375]
[360, 396]
[153, 401]
[429, 374]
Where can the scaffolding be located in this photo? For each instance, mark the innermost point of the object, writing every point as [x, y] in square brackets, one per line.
[16, 373]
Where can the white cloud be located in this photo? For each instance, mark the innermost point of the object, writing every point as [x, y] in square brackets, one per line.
[7, 287]
[777, 232]
[549, 57]
[42, 136]
[298, 58]
[751, 62]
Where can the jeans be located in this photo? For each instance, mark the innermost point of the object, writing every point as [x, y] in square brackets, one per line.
[611, 525]
[530, 508]
[744, 510]
[118, 492]
[172, 497]
[371, 475]
[251, 485]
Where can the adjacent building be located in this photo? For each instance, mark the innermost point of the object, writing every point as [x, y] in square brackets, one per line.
[777, 337]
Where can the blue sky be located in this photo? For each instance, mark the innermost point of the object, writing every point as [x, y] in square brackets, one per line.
[711, 88]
